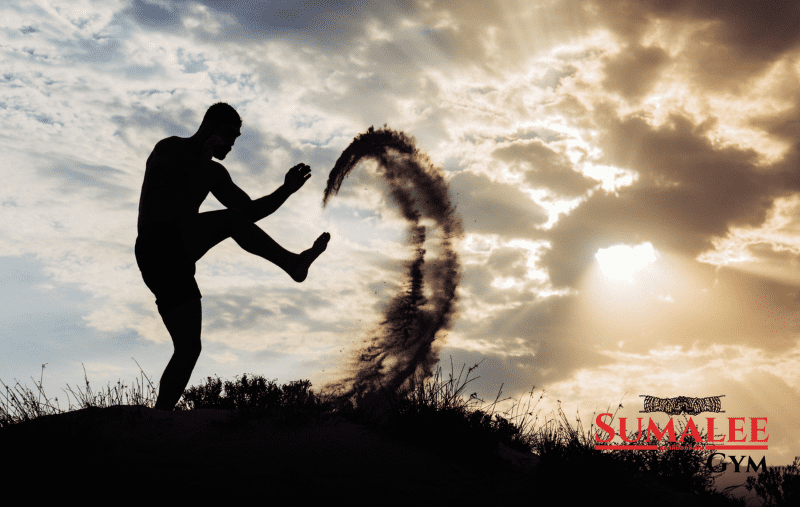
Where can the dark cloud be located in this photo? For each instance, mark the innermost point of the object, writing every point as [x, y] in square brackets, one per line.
[689, 190]
[552, 76]
[785, 126]
[715, 66]
[635, 70]
[756, 27]
[324, 22]
[509, 261]
[502, 262]
[557, 359]
[494, 208]
[545, 167]
[738, 39]
[556, 350]
[547, 319]
[239, 309]
[76, 176]
[258, 16]
[234, 311]
[717, 186]
[165, 15]
[477, 279]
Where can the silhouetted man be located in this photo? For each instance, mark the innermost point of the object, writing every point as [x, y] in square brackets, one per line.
[173, 234]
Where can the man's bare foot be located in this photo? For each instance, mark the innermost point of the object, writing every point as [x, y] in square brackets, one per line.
[300, 270]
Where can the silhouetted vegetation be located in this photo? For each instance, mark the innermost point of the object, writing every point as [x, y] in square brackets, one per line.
[778, 485]
[436, 414]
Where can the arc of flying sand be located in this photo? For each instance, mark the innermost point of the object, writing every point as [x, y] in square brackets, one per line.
[403, 349]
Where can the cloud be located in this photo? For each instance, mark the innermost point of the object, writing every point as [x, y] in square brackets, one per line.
[635, 70]
[689, 190]
[155, 14]
[239, 22]
[494, 208]
[192, 63]
[727, 42]
[77, 176]
[509, 261]
[165, 123]
[96, 50]
[544, 168]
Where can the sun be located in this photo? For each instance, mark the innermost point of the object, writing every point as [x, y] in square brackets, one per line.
[620, 262]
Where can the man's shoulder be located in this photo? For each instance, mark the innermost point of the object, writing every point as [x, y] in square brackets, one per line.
[170, 142]
[217, 170]
[166, 152]
[170, 148]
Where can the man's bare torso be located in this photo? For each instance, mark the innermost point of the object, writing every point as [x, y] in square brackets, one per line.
[176, 182]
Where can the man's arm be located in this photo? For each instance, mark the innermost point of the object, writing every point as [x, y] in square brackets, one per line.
[231, 196]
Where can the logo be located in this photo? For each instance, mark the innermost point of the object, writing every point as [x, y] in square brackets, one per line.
[682, 404]
[740, 436]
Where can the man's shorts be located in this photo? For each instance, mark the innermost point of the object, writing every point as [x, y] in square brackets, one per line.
[166, 268]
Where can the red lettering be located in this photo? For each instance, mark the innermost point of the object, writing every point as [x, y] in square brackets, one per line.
[623, 431]
[692, 430]
[754, 429]
[608, 429]
[732, 429]
[652, 428]
[711, 431]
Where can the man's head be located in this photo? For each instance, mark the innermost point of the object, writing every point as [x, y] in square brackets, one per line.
[221, 119]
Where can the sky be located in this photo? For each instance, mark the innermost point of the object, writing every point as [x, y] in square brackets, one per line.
[626, 173]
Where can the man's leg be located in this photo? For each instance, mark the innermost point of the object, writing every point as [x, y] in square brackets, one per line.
[204, 230]
[183, 323]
